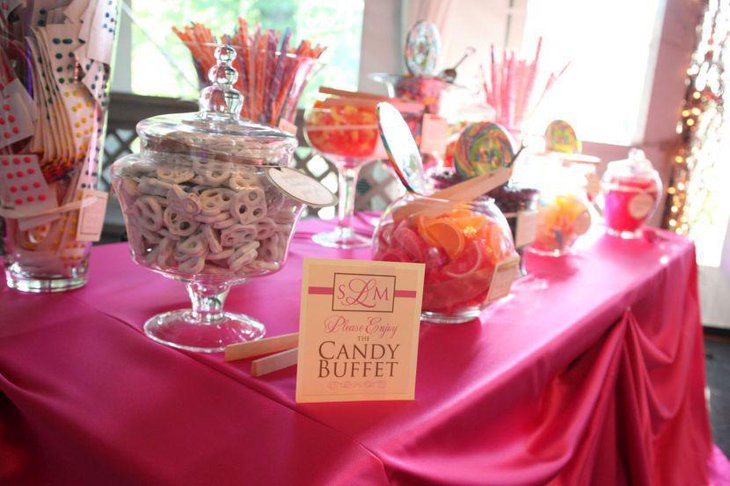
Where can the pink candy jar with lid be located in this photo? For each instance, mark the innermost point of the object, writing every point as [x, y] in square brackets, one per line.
[631, 190]
[463, 245]
[202, 205]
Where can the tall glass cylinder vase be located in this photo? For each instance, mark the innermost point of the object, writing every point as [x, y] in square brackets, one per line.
[55, 80]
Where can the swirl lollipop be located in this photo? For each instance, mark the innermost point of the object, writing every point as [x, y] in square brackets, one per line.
[560, 137]
[423, 47]
[482, 148]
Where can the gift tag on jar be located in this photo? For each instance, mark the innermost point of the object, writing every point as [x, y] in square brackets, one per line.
[506, 272]
[91, 215]
[593, 185]
[301, 187]
[640, 205]
[433, 134]
[582, 222]
[526, 228]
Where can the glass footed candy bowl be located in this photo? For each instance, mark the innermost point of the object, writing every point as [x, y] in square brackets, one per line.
[461, 245]
[201, 206]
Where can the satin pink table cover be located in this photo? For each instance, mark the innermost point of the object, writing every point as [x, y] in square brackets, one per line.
[591, 372]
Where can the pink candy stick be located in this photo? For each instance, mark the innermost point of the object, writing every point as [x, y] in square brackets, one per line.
[495, 83]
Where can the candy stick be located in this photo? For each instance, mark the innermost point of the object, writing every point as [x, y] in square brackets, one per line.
[520, 91]
[269, 64]
[253, 43]
[241, 41]
[276, 81]
[509, 118]
[495, 82]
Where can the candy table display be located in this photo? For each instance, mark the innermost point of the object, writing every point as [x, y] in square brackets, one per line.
[346, 133]
[201, 206]
[461, 245]
[631, 191]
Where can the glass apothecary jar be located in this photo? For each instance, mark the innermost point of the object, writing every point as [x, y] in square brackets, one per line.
[201, 206]
[461, 245]
[631, 190]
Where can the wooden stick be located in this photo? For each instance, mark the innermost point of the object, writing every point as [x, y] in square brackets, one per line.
[400, 105]
[275, 362]
[466, 191]
[353, 94]
[261, 347]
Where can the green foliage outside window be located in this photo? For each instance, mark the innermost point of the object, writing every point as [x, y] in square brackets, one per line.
[161, 65]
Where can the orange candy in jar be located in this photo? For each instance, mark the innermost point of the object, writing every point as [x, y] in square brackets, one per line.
[561, 220]
[343, 130]
[461, 245]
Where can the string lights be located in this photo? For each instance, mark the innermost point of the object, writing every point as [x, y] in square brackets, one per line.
[701, 110]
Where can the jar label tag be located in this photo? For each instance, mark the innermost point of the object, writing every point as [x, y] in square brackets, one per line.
[593, 185]
[91, 216]
[301, 187]
[640, 205]
[582, 223]
[433, 134]
[505, 273]
[526, 228]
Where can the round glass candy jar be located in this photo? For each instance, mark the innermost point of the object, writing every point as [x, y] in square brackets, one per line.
[631, 191]
[199, 208]
[564, 212]
[460, 243]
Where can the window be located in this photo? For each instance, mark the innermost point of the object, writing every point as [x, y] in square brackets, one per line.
[611, 47]
[161, 65]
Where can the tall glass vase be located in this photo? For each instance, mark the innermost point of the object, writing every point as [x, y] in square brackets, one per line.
[55, 79]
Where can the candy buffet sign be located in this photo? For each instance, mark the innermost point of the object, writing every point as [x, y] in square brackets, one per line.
[358, 330]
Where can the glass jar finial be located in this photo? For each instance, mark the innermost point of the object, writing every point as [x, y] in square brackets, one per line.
[221, 98]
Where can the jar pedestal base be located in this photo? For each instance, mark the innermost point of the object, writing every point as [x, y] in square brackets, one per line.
[184, 329]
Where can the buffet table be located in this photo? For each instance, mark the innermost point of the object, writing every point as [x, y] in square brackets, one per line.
[591, 372]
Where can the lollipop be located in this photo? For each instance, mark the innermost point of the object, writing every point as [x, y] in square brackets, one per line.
[560, 137]
[423, 46]
[482, 148]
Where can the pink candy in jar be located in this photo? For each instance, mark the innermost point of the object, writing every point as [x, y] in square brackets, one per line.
[631, 191]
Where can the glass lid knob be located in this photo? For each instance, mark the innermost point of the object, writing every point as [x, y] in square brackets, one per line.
[221, 99]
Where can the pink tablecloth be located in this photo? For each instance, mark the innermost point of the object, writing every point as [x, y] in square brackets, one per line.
[592, 372]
